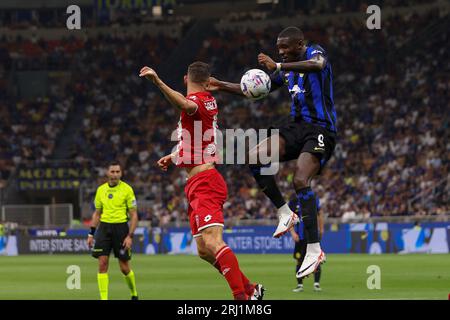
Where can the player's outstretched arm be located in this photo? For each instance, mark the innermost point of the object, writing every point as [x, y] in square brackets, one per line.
[217, 85]
[315, 64]
[174, 97]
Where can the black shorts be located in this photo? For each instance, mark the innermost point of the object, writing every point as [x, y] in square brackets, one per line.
[110, 236]
[300, 251]
[306, 137]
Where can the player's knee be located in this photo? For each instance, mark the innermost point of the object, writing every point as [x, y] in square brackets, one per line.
[102, 266]
[213, 244]
[301, 181]
[203, 254]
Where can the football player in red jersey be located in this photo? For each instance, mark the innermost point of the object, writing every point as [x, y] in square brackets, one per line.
[205, 189]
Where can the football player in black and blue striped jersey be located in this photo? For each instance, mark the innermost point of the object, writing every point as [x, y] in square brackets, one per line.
[309, 137]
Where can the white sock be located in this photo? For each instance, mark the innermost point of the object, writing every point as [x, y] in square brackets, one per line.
[284, 210]
[316, 284]
[313, 247]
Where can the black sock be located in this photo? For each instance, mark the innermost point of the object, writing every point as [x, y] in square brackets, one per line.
[317, 274]
[299, 280]
[308, 209]
[268, 185]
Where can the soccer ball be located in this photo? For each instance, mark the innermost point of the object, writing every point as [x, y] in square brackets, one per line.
[255, 84]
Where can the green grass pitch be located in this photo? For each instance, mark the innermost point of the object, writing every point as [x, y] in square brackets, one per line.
[188, 277]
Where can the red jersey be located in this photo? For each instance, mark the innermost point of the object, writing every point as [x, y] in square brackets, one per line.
[197, 132]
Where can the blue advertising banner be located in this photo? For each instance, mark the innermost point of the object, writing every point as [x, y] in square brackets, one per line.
[373, 238]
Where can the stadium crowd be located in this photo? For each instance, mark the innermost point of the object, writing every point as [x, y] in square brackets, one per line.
[393, 126]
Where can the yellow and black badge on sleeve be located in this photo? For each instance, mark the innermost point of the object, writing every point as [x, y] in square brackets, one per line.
[115, 202]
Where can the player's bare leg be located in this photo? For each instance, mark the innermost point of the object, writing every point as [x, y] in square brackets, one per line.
[204, 253]
[213, 249]
[124, 267]
[102, 277]
[308, 166]
[287, 218]
[253, 290]
[103, 264]
[129, 277]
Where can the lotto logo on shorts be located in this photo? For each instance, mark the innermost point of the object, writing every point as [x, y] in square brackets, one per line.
[207, 218]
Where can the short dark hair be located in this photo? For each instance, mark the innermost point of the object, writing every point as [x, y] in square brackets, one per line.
[199, 72]
[291, 33]
[114, 163]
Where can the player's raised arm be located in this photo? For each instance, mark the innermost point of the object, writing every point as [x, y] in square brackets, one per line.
[174, 97]
[217, 85]
[316, 63]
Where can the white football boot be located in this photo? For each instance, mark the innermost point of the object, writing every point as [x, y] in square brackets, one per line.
[312, 261]
[286, 220]
[258, 294]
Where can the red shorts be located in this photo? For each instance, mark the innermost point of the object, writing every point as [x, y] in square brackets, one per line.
[206, 193]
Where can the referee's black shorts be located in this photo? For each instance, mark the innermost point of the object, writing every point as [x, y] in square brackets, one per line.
[300, 251]
[110, 236]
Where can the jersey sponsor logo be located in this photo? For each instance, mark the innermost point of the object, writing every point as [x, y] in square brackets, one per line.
[207, 218]
[211, 105]
[296, 90]
[316, 52]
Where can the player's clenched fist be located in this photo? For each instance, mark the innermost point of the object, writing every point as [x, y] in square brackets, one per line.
[148, 73]
[214, 84]
[266, 61]
[165, 162]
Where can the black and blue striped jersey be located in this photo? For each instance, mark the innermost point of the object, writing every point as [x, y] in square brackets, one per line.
[311, 93]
